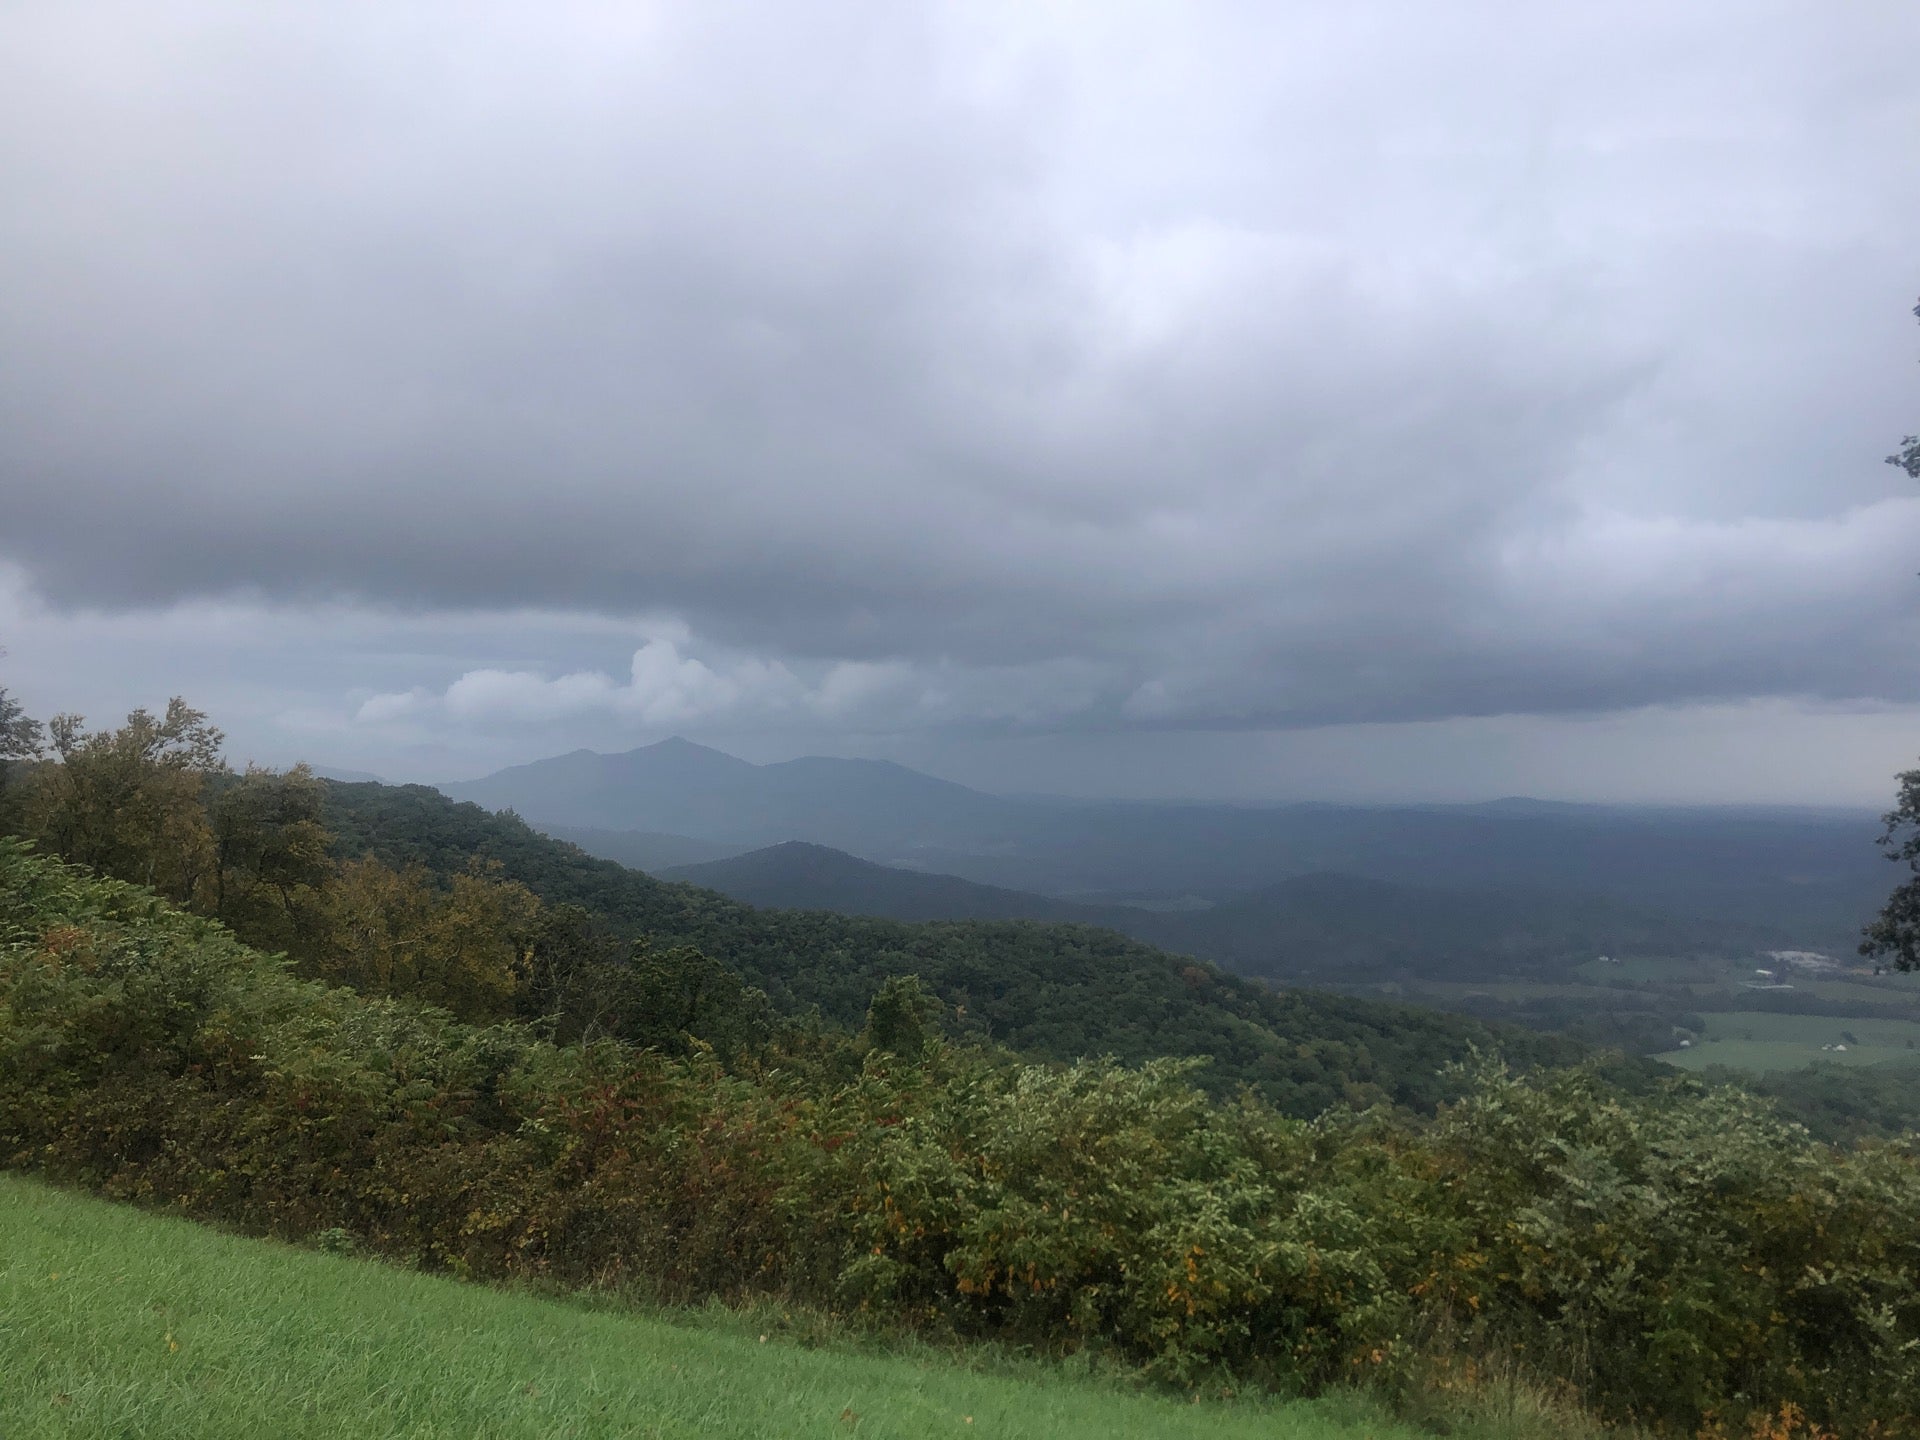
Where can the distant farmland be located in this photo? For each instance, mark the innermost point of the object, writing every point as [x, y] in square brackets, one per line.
[1760, 1040]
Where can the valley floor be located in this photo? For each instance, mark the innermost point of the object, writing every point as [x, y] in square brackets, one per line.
[114, 1322]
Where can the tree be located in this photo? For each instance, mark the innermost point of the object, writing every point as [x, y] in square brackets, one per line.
[131, 802]
[578, 978]
[20, 736]
[1907, 457]
[270, 853]
[20, 739]
[465, 947]
[903, 1017]
[681, 994]
[1895, 931]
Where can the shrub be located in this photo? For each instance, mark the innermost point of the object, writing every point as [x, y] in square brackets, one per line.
[1683, 1257]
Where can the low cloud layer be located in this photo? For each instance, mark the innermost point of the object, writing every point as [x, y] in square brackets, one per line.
[1623, 613]
[909, 367]
[667, 689]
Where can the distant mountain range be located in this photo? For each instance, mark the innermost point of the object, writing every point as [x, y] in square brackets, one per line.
[1810, 876]
[681, 788]
[797, 875]
[1051, 991]
[1324, 928]
[647, 850]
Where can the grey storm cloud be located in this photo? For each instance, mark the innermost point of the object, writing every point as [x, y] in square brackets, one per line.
[1200, 365]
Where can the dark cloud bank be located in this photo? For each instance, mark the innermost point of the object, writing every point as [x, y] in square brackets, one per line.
[895, 367]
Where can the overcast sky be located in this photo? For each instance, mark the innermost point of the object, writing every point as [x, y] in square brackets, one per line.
[1262, 400]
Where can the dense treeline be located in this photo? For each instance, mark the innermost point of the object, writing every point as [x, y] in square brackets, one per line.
[1639, 1020]
[1682, 1257]
[398, 890]
[1307, 929]
[1842, 1103]
[1347, 929]
[1050, 990]
[154, 803]
[475, 1048]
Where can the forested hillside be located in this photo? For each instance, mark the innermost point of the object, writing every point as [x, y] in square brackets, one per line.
[1305, 929]
[1810, 872]
[647, 850]
[483, 1050]
[687, 789]
[399, 890]
[1682, 1257]
[1517, 956]
[799, 875]
[1057, 991]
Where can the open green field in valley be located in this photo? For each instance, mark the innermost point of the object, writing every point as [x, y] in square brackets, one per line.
[114, 1322]
[1762, 1040]
[1727, 978]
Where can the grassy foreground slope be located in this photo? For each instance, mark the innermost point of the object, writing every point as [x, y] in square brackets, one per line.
[115, 1322]
[1681, 1255]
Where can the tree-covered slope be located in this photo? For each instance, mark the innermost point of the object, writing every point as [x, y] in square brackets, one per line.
[1330, 929]
[1815, 873]
[687, 789]
[1677, 1257]
[799, 875]
[1327, 927]
[650, 850]
[1055, 991]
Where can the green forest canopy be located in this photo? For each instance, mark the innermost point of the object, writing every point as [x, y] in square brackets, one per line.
[1053, 991]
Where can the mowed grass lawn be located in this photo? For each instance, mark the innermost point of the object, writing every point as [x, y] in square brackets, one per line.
[118, 1323]
[1759, 1040]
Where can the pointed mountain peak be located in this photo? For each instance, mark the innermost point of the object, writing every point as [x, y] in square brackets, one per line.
[679, 742]
[680, 752]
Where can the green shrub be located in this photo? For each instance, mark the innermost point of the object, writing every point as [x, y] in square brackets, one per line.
[1680, 1257]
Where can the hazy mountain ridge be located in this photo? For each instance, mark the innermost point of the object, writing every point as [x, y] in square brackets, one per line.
[799, 875]
[681, 788]
[1057, 991]
[650, 850]
[1323, 927]
[1342, 928]
[1813, 874]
